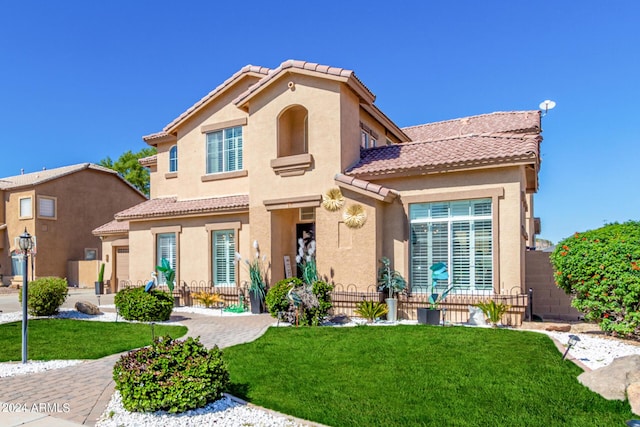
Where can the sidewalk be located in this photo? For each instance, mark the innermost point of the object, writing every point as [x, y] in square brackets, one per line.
[78, 395]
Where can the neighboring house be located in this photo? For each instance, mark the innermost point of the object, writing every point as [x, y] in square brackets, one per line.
[60, 207]
[253, 159]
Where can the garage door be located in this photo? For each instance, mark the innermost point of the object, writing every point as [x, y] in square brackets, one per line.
[122, 266]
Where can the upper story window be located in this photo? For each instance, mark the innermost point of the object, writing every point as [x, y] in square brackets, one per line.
[224, 150]
[26, 210]
[368, 138]
[173, 159]
[293, 131]
[47, 207]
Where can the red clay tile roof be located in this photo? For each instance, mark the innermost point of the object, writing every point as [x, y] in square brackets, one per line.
[148, 161]
[113, 227]
[499, 122]
[369, 187]
[244, 70]
[171, 206]
[35, 178]
[302, 65]
[462, 152]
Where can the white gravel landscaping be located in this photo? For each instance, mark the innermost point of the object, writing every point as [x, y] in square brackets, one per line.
[226, 412]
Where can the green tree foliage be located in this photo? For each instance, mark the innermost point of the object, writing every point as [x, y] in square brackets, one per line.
[600, 268]
[128, 167]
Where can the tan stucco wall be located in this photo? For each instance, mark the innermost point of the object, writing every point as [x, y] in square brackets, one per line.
[84, 200]
[345, 256]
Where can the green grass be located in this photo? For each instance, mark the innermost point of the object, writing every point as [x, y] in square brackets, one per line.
[417, 376]
[56, 339]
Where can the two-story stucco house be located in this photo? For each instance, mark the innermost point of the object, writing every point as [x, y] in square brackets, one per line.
[253, 159]
[60, 207]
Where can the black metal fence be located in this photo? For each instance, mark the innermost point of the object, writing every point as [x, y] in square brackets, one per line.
[345, 298]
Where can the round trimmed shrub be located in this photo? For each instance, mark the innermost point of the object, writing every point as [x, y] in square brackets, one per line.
[601, 269]
[136, 304]
[170, 375]
[45, 295]
[315, 301]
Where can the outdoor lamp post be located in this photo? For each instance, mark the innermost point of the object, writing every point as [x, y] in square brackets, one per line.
[573, 340]
[25, 242]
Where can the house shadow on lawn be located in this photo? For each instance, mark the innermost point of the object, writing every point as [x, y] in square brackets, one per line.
[240, 391]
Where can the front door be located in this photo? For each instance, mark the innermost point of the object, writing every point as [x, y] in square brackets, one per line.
[305, 234]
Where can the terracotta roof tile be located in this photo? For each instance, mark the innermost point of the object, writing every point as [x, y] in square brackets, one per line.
[499, 122]
[35, 178]
[113, 227]
[171, 206]
[303, 65]
[148, 161]
[450, 153]
[244, 70]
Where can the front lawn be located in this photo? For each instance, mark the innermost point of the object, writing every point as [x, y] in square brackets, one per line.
[56, 339]
[417, 376]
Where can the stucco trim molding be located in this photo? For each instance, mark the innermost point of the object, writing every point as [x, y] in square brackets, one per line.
[224, 175]
[223, 125]
[167, 229]
[215, 226]
[293, 202]
[495, 193]
[292, 165]
[170, 175]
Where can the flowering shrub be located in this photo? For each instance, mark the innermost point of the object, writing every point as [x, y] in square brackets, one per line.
[170, 375]
[600, 268]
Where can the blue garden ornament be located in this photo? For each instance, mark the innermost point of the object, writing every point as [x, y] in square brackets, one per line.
[438, 272]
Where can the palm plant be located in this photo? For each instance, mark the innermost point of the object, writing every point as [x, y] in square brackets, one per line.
[493, 311]
[371, 310]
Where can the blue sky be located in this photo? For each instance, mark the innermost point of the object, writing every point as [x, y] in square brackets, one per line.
[82, 80]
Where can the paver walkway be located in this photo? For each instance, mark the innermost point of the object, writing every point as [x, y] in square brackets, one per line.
[80, 393]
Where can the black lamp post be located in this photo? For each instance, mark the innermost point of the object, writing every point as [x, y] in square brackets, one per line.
[25, 241]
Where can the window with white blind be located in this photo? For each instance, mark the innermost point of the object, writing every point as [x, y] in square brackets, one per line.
[173, 159]
[223, 253]
[46, 207]
[224, 150]
[457, 233]
[166, 248]
[25, 207]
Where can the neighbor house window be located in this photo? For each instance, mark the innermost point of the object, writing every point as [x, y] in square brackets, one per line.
[26, 210]
[166, 249]
[17, 264]
[223, 252]
[368, 138]
[47, 207]
[457, 233]
[224, 150]
[173, 159]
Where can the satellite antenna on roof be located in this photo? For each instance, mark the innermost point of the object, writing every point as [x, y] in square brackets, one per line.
[547, 105]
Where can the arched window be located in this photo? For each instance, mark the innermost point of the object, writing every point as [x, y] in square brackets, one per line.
[293, 131]
[173, 159]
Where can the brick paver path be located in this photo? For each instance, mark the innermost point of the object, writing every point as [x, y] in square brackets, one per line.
[81, 393]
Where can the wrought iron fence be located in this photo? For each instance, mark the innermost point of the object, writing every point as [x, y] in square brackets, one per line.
[345, 298]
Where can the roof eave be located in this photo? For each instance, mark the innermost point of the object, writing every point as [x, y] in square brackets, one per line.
[177, 215]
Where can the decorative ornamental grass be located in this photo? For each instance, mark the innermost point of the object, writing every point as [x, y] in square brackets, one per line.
[68, 339]
[417, 376]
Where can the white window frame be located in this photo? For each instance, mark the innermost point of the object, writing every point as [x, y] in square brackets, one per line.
[223, 262]
[224, 154]
[21, 214]
[173, 158]
[45, 199]
[166, 244]
[466, 250]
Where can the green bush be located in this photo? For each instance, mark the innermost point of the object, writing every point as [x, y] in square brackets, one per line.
[314, 306]
[170, 375]
[276, 299]
[46, 295]
[600, 268]
[136, 304]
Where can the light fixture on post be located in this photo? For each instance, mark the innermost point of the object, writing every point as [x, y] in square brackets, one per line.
[25, 242]
[573, 340]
